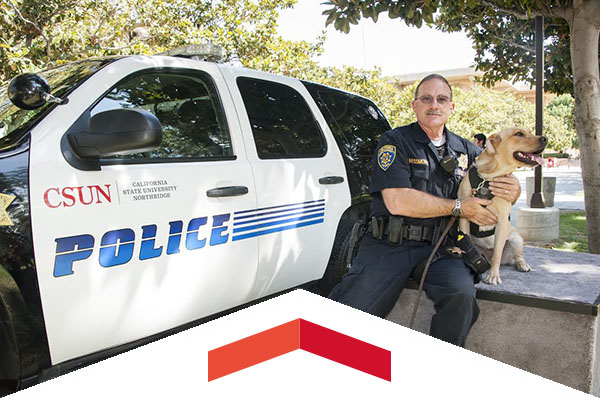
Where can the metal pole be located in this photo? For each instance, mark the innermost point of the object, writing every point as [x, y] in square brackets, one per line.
[537, 198]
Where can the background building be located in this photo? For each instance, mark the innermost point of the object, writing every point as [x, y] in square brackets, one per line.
[466, 79]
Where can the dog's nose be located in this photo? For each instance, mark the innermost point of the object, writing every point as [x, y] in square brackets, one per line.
[543, 139]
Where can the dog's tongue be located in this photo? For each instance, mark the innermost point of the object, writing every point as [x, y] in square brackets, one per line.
[538, 159]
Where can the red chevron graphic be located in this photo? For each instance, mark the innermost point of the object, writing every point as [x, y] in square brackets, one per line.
[303, 335]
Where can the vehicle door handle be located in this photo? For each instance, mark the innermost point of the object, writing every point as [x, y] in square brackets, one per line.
[331, 180]
[227, 191]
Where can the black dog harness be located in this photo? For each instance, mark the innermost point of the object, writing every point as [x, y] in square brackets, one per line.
[479, 188]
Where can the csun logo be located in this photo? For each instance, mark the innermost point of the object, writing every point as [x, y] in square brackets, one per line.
[72, 195]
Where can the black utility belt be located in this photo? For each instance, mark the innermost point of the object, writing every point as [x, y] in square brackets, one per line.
[395, 230]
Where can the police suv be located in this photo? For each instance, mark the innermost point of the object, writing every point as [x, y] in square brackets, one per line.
[141, 195]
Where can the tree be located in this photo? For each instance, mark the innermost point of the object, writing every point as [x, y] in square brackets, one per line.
[35, 34]
[503, 36]
[563, 107]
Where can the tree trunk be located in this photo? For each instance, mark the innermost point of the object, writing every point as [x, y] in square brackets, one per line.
[585, 29]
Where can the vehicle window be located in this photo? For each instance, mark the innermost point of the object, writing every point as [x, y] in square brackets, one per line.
[282, 123]
[356, 124]
[187, 107]
[353, 119]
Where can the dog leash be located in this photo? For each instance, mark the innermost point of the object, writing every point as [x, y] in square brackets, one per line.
[435, 249]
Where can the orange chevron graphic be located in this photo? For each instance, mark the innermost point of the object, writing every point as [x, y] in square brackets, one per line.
[299, 334]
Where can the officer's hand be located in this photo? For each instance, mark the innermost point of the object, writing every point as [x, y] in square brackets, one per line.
[506, 187]
[473, 209]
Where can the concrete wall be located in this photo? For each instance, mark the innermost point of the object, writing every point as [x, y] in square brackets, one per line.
[557, 345]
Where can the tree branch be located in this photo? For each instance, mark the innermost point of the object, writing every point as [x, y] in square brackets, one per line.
[40, 31]
[128, 45]
[22, 18]
[553, 12]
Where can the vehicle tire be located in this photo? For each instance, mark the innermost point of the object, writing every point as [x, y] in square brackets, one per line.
[337, 265]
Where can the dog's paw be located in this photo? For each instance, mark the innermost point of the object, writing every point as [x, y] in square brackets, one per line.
[522, 266]
[492, 278]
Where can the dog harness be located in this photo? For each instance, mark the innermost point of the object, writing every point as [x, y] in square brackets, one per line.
[479, 188]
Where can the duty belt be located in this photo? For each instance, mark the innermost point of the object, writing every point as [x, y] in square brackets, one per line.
[394, 230]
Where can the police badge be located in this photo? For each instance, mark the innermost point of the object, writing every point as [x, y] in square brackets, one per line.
[462, 165]
[386, 156]
[463, 162]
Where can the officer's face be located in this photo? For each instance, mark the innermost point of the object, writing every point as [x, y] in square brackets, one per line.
[433, 104]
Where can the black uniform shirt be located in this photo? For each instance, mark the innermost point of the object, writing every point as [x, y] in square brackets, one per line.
[406, 158]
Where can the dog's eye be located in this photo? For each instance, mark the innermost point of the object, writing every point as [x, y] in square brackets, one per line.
[519, 134]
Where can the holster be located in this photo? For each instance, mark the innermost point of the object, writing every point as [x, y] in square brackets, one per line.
[358, 230]
[395, 224]
[472, 256]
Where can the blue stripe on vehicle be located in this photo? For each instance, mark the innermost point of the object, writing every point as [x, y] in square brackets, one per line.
[284, 205]
[278, 229]
[277, 216]
[275, 212]
[282, 222]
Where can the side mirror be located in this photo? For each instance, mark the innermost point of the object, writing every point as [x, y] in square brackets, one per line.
[114, 132]
[31, 91]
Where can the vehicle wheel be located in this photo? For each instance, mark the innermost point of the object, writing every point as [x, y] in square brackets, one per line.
[337, 267]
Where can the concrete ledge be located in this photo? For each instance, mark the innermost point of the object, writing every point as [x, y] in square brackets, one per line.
[545, 321]
[538, 224]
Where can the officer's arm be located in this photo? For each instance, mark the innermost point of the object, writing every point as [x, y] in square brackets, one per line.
[416, 204]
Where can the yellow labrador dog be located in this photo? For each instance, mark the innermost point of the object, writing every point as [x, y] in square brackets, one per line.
[505, 152]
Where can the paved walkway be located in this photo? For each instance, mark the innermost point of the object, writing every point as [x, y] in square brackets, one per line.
[569, 188]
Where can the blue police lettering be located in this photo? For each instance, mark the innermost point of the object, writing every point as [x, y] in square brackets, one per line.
[174, 237]
[147, 249]
[117, 247]
[215, 236]
[71, 249]
[191, 240]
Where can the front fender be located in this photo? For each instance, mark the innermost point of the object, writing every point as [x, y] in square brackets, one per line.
[11, 302]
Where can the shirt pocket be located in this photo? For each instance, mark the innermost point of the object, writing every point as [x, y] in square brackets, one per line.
[419, 176]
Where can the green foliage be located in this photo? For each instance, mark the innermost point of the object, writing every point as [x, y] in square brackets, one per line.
[562, 107]
[35, 34]
[480, 110]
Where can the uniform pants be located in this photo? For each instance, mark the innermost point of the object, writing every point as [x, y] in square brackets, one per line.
[379, 273]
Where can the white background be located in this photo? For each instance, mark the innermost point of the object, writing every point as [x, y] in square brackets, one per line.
[176, 367]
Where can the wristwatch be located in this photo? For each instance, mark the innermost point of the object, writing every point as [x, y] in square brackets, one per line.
[456, 210]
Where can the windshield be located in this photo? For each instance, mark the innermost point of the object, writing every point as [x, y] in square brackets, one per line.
[15, 123]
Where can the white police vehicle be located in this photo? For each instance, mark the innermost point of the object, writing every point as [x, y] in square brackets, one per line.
[162, 191]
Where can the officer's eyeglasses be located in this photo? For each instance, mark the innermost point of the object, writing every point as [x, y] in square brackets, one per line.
[441, 100]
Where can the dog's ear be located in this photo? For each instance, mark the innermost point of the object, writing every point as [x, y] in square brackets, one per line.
[492, 142]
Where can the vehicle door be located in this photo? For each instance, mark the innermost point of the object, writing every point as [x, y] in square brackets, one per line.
[143, 244]
[300, 179]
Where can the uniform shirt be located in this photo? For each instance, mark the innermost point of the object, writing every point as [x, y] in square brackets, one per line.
[406, 158]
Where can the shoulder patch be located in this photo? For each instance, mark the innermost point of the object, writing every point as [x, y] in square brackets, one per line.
[386, 156]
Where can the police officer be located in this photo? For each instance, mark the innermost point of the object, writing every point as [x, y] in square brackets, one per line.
[416, 172]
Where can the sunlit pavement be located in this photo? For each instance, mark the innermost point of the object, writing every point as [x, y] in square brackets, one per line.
[569, 188]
